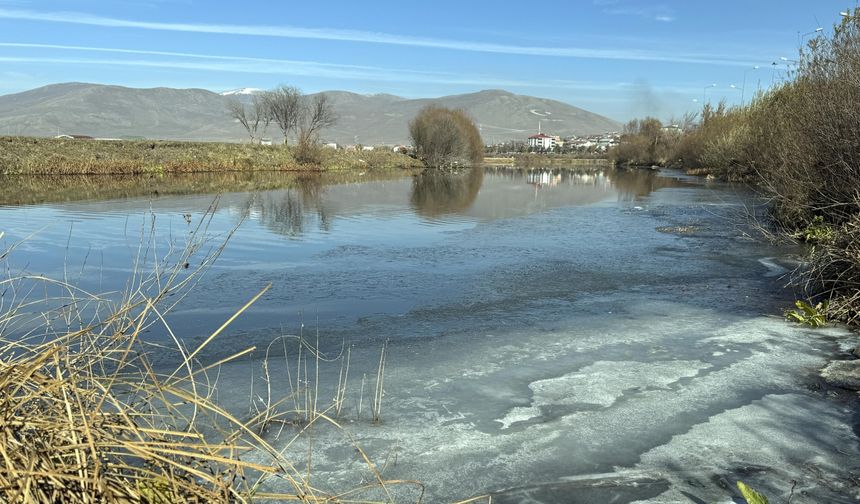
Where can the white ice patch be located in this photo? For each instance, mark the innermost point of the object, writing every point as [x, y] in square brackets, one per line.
[800, 437]
[519, 414]
[773, 332]
[773, 269]
[601, 384]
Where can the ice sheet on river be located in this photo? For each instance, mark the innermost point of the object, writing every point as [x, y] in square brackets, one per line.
[690, 408]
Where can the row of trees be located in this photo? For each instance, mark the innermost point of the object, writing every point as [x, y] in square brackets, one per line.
[289, 109]
[647, 142]
[643, 143]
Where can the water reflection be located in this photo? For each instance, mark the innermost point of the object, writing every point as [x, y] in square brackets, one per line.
[629, 184]
[548, 178]
[543, 179]
[33, 190]
[437, 193]
[294, 205]
[290, 212]
[635, 184]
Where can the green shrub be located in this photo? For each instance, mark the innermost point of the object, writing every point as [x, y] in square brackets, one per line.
[750, 495]
[806, 314]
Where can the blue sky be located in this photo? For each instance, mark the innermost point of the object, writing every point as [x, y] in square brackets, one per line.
[620, 58]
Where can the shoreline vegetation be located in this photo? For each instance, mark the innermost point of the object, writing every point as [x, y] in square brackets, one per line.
[798, 145]
[50, 156]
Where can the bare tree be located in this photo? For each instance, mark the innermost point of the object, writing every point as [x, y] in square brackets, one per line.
[254, 119]
[284, 108]
[317, 114]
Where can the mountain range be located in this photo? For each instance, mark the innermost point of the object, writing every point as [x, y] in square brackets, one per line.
[198, 114]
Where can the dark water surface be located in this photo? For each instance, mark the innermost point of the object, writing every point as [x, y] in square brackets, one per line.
[543, 326]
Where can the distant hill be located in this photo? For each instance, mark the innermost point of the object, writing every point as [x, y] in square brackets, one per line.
[198, 114]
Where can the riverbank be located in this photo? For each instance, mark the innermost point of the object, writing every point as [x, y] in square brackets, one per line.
[796, 144]
[50, 156]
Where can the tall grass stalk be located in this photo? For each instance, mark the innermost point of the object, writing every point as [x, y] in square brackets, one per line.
[342, 381]
[303, 395]
[361, 394]
[379, 391]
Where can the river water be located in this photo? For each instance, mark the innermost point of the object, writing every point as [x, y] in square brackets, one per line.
[549, 335]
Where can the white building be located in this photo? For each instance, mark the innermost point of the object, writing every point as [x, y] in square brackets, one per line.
[606, 143]
[541, 141]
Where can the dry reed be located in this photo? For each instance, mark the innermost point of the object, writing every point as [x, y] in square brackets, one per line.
[87, 416]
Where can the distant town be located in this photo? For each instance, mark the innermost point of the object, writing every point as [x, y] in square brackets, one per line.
[547, 143]
[537, 143]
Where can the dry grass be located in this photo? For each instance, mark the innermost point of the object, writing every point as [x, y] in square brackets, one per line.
[48, 156]
[835, 272]
[86, 415]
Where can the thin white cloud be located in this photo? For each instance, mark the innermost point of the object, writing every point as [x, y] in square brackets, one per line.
[374, 37]
[659, 12]
[25, 45]
[294, 68]
[231, 64]
[16, 75]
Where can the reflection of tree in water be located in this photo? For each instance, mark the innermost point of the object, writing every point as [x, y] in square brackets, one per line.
[436, 193]
[291, 212]
[634, 184]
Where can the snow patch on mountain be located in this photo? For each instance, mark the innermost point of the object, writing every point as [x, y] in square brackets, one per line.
[242, 91]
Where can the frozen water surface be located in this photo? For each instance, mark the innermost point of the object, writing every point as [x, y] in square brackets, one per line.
[552, 337]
